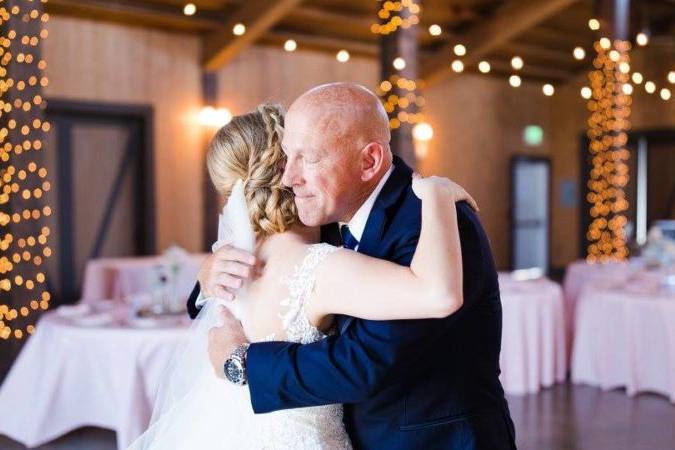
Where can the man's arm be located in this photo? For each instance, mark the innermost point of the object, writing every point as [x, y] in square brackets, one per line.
[351, 367]
[192, 307]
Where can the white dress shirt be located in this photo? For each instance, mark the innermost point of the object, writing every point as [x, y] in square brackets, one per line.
[357, 224]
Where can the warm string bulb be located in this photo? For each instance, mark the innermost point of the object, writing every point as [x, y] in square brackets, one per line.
[394, 13]
[401, 107]
[21, 178]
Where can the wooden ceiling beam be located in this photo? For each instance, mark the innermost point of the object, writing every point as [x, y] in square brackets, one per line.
[530, 71]
[259, 16]
[508, 22]
[527, 51]
[322, 43]
[552, 38]
[132, 12]
[316, 15]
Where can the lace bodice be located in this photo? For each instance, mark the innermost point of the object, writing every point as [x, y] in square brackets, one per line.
[318, 427]
[300, 286]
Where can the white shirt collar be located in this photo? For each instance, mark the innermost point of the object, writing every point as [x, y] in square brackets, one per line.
[358, 223]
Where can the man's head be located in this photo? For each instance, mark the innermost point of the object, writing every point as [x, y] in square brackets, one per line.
[336, 140]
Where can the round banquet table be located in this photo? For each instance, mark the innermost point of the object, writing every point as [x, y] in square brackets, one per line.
[579, 274]
[69, 375]
[533, 335]
[117, 278]
[625, 337]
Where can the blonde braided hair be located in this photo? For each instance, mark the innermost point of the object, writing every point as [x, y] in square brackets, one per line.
[249, 148]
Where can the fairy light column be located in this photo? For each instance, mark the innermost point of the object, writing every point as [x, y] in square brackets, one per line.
[608, 124]
[23, 176]
[398, 89]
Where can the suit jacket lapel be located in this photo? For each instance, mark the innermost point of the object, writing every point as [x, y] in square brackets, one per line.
[380, 215]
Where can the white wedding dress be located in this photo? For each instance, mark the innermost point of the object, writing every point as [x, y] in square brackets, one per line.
[197, 410]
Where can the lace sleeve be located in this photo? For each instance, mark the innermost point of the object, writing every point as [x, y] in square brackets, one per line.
[300, 285]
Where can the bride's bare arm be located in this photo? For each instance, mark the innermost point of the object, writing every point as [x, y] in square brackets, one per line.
[357, 285]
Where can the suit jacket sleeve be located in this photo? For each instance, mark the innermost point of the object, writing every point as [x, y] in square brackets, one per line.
[352, 366]
[192, 308]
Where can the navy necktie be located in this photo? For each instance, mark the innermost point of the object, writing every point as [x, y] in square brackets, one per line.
[348, 240]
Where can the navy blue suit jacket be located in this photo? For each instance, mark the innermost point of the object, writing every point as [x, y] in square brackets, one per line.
[406, 384]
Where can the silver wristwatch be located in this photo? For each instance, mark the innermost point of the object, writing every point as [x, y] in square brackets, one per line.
[235, 365]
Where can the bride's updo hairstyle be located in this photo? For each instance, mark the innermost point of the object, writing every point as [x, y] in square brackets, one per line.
[249, 148]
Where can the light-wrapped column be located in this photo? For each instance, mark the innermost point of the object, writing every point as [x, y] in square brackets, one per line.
[607, 131]
[23, 175]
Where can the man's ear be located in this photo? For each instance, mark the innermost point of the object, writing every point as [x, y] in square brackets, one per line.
[372, 160]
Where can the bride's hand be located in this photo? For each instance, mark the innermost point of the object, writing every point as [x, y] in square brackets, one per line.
[423, 187]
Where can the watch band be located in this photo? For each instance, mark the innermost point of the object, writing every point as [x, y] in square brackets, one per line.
[240, 352]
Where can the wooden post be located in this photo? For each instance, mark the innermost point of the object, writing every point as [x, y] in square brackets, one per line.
[24, 195]
[609, 114]
[402, 43]
[211, 201]
[615, 17]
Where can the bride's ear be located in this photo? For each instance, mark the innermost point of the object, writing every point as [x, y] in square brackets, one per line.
[372, 160]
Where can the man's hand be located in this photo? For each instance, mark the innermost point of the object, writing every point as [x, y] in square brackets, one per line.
[224, 272]
[223, 340]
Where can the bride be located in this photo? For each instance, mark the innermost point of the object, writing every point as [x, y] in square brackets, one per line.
[298, 288]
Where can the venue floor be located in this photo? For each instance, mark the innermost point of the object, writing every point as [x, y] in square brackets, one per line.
[564, 417]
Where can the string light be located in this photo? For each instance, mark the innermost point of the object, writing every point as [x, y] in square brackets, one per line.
[342, 56]
[484, 67]
[435, 30]
[399, 94]
[579, 53]
[517, 62]
[548, 90]
[594, 24]
[239, 29]
[457, 66]
[396, 14]
[671, 77]
[665, 94]
[402, 106]
[650, 87]
[515, 81]
[637, 78]
[459, 50]
[189, 9]
[609, 102]
[642, 39]
[22, 181]
[290, 45]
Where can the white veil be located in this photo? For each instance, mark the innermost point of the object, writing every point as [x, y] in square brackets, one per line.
[194, 408]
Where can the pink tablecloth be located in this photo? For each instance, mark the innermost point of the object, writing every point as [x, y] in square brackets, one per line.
[533, 335]
[116, 278]
[625, 337]
[68, 376]
[579, 274]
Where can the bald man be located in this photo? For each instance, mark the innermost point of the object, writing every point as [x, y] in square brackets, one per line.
[407, 384]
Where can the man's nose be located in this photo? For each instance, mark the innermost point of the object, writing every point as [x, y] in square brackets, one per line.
[288, 179]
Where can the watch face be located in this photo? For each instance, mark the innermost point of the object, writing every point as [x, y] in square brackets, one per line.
[233, 371]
